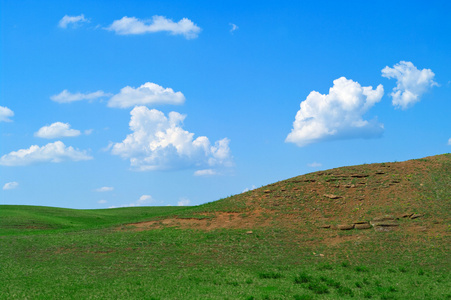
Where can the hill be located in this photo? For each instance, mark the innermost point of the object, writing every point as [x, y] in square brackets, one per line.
[416, 189]
[378, 231]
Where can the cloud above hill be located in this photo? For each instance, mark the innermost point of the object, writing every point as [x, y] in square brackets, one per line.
[10, 185]
[66, 97]
[147, 94]
[55, 152]
[159, 142]
[411, 83]
[5, 114]
[57, 130]
[337, 115]
[72, 20]
[132, 25]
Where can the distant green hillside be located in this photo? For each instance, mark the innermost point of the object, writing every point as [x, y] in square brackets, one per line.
[20, 219]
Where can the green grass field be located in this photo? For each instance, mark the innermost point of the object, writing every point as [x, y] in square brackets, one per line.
[54, 253]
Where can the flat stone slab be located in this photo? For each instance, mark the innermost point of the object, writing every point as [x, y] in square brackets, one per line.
[345, 226]
[324, 226]
[362, 226]
[384, 218]
[386, 223]
[360, 222]
[415, 216]
[332, 196]
[385, 228]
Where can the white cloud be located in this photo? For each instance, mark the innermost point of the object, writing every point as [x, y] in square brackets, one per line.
[57, 130]
[205, 172]
[67, 97]
[52, 152]
[183, 202]
[105, 189]
[449, 142]
[88, 131]
[314, 165]
[411, 83]
[253, 187]
[142, 201]
[133, 25]
[102, 201]
[146, 94]
[5, 114]
[10, 185]
[234, 27]
[160, 143]
[72, 20]
[337, 115]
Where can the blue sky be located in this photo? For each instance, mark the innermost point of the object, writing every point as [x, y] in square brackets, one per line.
[128, 103]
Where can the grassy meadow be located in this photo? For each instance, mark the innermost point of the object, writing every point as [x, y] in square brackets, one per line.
[55, 253]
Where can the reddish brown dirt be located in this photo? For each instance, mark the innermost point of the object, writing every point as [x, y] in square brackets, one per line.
[337, 196]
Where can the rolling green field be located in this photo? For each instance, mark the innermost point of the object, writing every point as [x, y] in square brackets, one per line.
[55, 253]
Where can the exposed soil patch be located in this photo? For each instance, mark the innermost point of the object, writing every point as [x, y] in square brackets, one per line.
[346, 198]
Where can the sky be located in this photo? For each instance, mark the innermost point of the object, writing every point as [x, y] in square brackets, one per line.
[152, 103]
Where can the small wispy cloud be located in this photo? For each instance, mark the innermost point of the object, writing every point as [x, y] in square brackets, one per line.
[105, 189]
[253, 187]
[57, 130]
[132, 25]
[102, 201]
[10, 185]
[73, 21]
[449, 142]
[234, 27]
[183, 202]
[314, 165]
[67, 97]
[205, 172]
[5, 114]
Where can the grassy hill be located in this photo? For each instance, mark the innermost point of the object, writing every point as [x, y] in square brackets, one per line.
[281, 241]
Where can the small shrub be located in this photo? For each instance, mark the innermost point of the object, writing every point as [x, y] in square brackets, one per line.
[402, 270]
[325, 267]
[303, 278]
[358, 285]
[345, 264]
[318, 288]
[270, 275]
[421, 272]
[302, 297]
[343, 291]
[361, 269]
[367, 295]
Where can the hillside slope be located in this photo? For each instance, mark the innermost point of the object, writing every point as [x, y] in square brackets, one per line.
[417, 190]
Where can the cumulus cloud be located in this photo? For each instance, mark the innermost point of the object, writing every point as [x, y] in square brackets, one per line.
[57, 130]
[337, 115]
[411, 83]
[126, 26]
[105, 189]
[183, 202]
[147, 94]
[72, 20]
[5, 114]
[52, 152]
[10, 185]
[314, 165]
[67, 97]
[160, 143]
[234, 27]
